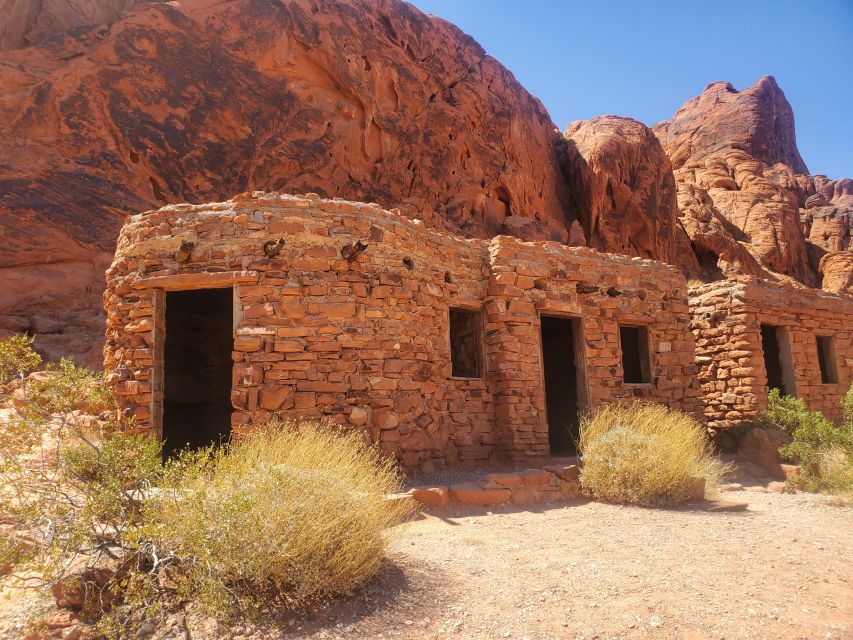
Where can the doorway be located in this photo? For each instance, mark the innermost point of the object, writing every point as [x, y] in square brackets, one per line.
[777, 359]
[197, 369]
[559, 364]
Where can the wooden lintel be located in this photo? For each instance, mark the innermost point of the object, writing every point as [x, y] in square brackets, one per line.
[559, 307]
[201, 280]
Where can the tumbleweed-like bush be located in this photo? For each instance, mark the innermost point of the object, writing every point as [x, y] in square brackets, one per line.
[290, 514]
[644, 454]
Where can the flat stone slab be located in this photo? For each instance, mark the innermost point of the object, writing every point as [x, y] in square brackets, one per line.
[568, 472]
[473, 493]
[535, 477]
[431, 496]
[496, 480]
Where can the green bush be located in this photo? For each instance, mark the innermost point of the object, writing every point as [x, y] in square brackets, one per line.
[646, 454]
[824, 450]
[847, 407]
[17, 357]
[291, 514]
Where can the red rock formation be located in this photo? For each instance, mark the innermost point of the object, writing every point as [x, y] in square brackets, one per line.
[198, 100]
[112, 107]
[35, 21]
[743, 190]
[837, 270]
[735, 160]
[622, 184]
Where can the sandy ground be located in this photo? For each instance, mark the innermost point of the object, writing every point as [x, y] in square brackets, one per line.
[782, 569]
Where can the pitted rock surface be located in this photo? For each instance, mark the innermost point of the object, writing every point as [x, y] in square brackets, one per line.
[196, 101]
[744, 193]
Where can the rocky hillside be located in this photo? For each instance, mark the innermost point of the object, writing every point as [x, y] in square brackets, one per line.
[744, 192]
[117, 106]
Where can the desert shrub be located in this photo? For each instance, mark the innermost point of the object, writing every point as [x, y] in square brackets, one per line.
[290, 514]
[824, 450]
[847, 407]
[644, 453]
[17, 357]
[70, 480]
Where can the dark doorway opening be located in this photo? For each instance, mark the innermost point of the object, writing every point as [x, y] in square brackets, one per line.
[773, 344]
[197, 369]
[559, 363]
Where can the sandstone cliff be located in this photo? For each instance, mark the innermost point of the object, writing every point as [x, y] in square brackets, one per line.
[112, 107]
[621, 183]
[199, 100]
[744, 192]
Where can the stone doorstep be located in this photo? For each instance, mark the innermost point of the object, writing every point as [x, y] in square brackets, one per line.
[556, 482]
[531, 486]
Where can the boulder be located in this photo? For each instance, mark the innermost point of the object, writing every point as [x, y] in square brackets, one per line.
[85, 589]
[760, 446]
[622, 183]
[431, 496]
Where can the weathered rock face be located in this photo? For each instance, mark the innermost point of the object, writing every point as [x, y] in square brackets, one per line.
[837, 270]
[622, 183]
[735, 157]
[743, 192]
[198, 100]
[28, 22]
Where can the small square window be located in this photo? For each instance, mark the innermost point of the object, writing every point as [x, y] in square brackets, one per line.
[466, 344]
[826, 359]
[636, 364]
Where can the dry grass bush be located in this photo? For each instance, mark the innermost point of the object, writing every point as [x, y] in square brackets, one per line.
[290, 514]
[646, 454]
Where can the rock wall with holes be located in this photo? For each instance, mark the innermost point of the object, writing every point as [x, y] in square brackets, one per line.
[342, 312]
[727, 318]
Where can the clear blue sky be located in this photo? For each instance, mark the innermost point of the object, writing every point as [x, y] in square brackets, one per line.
[643, 59]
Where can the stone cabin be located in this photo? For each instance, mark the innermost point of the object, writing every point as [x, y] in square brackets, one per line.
[443, 350]
[752, 335]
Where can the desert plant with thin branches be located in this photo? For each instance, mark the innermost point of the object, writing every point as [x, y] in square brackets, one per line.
[644, 453]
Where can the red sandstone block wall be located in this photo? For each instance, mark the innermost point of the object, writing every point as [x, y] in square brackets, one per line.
[726, 320]
[366, 343]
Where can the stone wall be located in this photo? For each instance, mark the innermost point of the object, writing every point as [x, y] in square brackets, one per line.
[726, 321]
[365, 341]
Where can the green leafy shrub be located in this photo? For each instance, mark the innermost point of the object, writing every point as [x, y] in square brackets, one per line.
[290, 514]
[847, 407]
[644, 453]
[824, 450]
[17, 357]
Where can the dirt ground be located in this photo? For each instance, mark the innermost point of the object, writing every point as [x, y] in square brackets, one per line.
[782, 569]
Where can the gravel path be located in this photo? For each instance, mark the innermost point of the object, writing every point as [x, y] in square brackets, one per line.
[782, 569]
